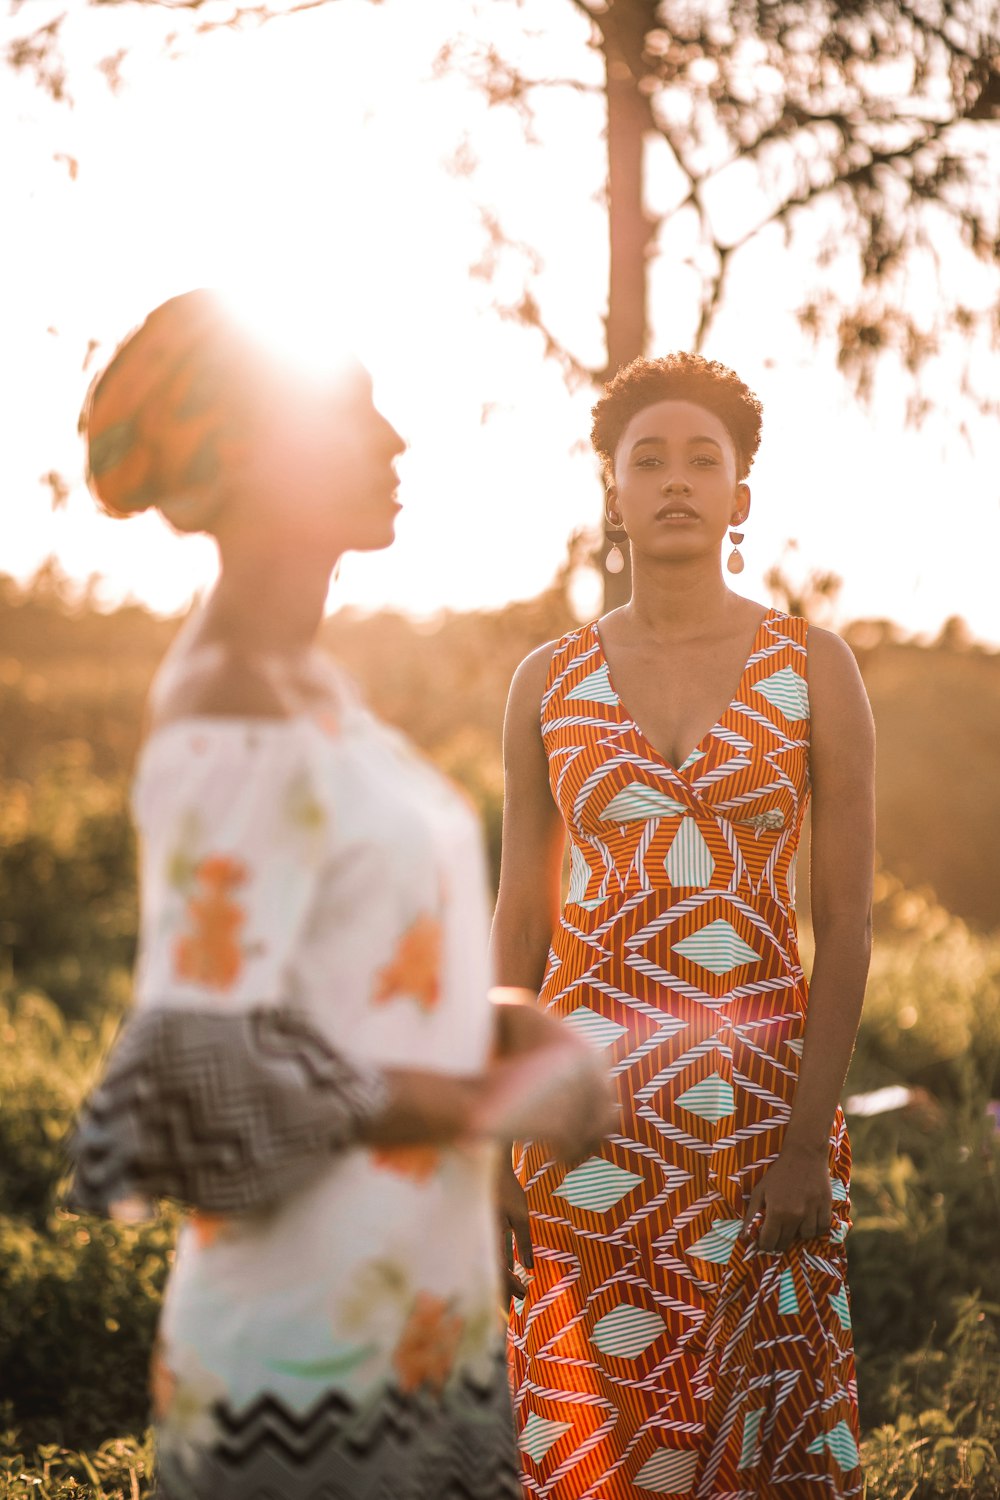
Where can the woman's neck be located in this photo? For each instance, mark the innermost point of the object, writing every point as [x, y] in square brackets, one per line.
[268, 602]
[679, 600]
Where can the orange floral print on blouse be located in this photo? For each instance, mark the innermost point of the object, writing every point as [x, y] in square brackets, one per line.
[207, 1227]
[426, 1352]
[418, 1162]
[211, 953]
[415, 967]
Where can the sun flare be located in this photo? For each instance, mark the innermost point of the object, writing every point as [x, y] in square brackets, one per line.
[300, 325]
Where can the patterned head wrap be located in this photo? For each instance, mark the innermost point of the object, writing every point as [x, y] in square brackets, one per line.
[169, 417]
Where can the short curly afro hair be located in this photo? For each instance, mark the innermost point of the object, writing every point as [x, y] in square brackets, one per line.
[677, 377]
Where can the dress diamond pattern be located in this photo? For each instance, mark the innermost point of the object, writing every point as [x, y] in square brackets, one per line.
[655, 1354]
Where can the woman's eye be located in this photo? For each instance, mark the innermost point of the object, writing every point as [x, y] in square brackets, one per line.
[646, 463]
[705, 459]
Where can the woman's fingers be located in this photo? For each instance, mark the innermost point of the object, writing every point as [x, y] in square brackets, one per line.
[779, 1232]
[755, 1204]
[511, 1284]
[770, 1232]
[515, 1233]
[819, 1227]
[514, 1217]
[522, 1240]
[513, 1288]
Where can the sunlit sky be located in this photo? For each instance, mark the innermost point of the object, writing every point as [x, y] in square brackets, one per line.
[318, 154]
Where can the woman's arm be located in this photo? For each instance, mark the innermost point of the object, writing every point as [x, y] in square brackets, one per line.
[795, 1193]
[542, 1082]
[231, 1113]
[528, 901]
[545, 1083]
[527, 910]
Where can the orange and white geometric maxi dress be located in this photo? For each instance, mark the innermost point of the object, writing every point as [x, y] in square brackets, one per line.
[655, 1355]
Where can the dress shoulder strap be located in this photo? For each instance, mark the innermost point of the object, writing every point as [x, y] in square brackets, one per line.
[794, 628]
[779, 670]
[568, 650]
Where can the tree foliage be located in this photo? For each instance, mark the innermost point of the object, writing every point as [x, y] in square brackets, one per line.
[886, 111]
[870, 127]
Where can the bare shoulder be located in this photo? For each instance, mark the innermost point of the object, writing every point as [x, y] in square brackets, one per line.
[832, 664]
[837, 697]
[214, 681]
[528, 681]
[524, 752]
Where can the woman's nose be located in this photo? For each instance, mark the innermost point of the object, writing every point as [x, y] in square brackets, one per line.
[393, 442]
[679, 483]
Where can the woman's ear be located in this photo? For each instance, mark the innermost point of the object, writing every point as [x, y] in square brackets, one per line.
[611, 511]
[741, 506]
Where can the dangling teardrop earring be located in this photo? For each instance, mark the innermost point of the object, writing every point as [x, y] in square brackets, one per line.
[615, 560]
[734, 562]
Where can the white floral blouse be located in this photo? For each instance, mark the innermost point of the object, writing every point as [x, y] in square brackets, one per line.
[321, 866]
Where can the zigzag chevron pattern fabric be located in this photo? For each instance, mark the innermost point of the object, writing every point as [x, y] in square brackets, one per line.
[408, 1445]
[227, 1114]
[655, 1354]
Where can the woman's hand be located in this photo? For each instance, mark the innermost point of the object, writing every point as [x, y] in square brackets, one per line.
[794, 1198]
[542, 1083]
[515, 1231]
[545, 1084]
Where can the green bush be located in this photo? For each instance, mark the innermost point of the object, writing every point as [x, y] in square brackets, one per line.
[45, 1065]
[67, 881]
[940, 1430]
[932, 1013]
[926, 1179]
[77, 1296]
[78, 1307]
[926, 1206]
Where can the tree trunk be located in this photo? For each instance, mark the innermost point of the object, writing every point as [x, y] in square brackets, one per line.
[623, 28]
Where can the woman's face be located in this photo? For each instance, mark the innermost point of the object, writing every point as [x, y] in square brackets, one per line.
[330, 466]
[675, 485]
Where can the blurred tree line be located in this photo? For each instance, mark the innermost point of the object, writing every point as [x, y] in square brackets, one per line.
[73, 679]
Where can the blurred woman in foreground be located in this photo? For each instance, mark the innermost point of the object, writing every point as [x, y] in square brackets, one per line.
[313, 1065]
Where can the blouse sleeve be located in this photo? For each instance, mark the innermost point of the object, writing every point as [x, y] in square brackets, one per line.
[218, 1092]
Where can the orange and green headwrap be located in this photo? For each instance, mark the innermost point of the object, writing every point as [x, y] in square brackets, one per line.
[168, 420]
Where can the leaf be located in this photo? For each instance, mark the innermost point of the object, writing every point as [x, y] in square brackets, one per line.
[322, 1369]
[976, 1460]
[92, 1473]
[935, 1420]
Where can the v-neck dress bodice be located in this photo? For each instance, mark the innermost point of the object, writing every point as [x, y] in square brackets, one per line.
[654, 1353]
[603, 666]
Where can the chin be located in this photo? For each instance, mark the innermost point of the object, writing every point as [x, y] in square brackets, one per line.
[374, 538]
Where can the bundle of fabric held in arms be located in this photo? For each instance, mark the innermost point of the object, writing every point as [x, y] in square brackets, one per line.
[226, 1114]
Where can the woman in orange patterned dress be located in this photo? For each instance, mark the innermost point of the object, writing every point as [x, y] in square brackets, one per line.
[681, 1321]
